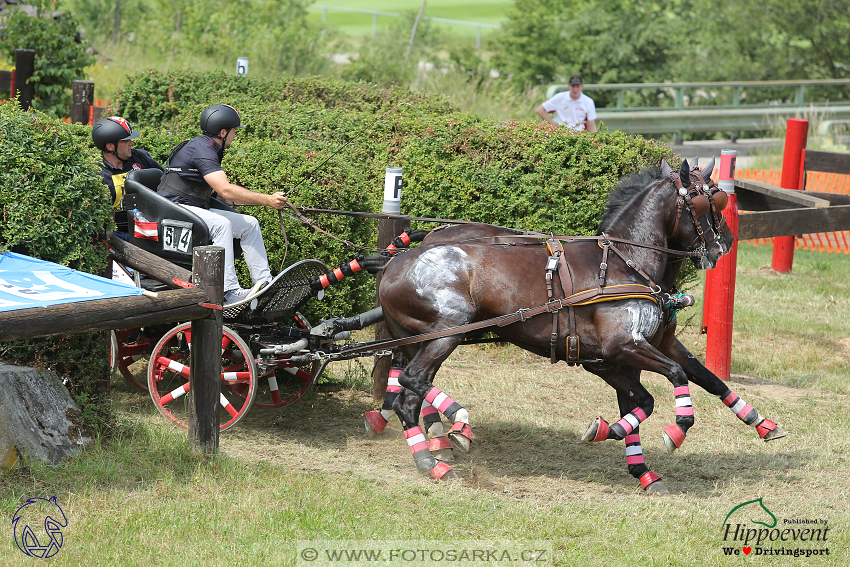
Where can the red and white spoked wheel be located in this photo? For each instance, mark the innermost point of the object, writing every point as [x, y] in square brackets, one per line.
[168, 376]
[126, 347]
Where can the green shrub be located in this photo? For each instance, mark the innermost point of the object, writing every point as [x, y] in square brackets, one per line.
[456, 165]
[60, 57]
[53, 206]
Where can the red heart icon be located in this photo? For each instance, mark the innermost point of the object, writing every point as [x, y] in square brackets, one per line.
[747, 550]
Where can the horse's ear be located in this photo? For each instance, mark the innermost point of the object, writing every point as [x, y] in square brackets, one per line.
[685, 173]
[695, 163]
[706, 171]
[665, 168]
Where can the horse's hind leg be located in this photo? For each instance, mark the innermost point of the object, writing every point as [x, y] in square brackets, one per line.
[625, 381]
[638, 468]
[702, 377]
[416, 380]
[438, 443]
[630, 393]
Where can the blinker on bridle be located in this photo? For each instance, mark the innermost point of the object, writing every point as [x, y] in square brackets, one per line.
[698, 196]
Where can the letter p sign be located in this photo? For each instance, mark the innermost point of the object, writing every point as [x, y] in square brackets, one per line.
[241, 66]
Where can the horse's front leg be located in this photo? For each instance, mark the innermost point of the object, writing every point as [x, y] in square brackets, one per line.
[376, 420]
[708, 381]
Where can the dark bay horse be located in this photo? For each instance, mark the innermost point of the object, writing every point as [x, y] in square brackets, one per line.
[616, 316]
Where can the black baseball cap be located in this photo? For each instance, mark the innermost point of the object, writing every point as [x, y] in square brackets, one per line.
[576, 80]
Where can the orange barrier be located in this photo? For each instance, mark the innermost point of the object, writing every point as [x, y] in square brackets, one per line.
[815, 181]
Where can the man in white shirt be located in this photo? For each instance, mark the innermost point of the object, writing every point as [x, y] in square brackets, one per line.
[571, 109]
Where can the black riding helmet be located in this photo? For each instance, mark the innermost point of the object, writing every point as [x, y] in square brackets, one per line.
[219, 116]
[111, 131]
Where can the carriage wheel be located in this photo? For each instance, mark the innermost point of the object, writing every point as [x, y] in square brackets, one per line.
[286, 384]
[126, 347]
[168, 376]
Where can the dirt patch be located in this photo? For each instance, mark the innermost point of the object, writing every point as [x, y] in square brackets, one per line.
[768, 388]
[527, 418]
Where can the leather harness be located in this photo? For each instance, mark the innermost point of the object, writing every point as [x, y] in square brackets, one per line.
[569, 299]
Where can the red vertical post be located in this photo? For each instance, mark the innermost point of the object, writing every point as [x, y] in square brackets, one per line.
[796, 135]
[719, 304]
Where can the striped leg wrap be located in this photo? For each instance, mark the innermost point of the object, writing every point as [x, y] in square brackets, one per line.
[674, 435]
[447, 406]
[748, 414]
[425, 462]
[634, 456]
[393, 389]
[376, 420]
[628, 423]
[684, 407]
[430, 416]
[742, 409]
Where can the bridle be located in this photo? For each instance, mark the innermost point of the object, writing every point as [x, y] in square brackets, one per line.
[699, 197]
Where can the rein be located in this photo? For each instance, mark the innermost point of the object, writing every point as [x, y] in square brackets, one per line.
[522, 315]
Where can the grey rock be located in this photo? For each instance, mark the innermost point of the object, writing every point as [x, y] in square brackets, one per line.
[38, 416]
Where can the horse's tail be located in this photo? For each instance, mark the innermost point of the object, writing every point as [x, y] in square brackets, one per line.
[372, 264]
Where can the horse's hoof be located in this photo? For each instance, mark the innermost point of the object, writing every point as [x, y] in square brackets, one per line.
[596, 431]
[673, 438]
[441, 449]
[460, 436]
[658, 487]
[777, 433]
[442, 471]
[651, 482]
[374, 422]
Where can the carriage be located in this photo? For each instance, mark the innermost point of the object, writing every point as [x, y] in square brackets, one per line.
[270, 351]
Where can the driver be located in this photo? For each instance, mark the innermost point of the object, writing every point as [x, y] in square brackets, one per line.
[193, 175]
[114, 137]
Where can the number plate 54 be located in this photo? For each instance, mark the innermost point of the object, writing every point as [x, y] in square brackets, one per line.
[177, 236]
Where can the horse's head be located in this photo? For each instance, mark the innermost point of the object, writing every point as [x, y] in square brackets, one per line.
[707, 231]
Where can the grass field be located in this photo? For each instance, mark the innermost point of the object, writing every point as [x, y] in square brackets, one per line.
[480, 11]
[284, 479]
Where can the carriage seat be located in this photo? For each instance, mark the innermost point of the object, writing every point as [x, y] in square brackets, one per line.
[178, 230]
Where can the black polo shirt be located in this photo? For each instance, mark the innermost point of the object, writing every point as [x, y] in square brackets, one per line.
[203, 154]
[113, 177]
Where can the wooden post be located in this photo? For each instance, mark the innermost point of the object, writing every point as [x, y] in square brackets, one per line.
[719, 307]
[205, 358]
[24, 69]
[796, 135]
[5, 84]
[387, 230]
[82, 99]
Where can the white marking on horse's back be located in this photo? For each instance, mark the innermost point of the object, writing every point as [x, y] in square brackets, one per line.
[433, 270]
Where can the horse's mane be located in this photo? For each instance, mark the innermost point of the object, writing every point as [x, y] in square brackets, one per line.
[623, 195]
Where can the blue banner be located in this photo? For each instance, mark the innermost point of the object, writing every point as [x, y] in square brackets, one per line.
[28, 282]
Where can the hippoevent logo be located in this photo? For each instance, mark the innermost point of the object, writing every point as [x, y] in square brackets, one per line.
[750, 528]
[38, 527]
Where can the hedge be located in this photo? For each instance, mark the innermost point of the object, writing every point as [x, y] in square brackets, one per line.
[53, 206]
[456, 165]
